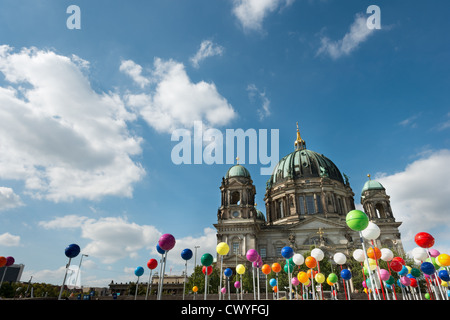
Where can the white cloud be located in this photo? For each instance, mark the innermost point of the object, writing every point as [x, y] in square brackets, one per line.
[358, 33]
[176, 102]
[254, 93]
[251, 13]
[420, 198]
[8, 199]
[9, 240]
[134, 70]
[207, 49]
[58, 135]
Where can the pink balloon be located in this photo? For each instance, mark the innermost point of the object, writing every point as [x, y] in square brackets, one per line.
[433, 252]
[166, 242]
[252, 255]
[9, 261]
[223, 290]
[364, 284]
[295, 281]
[237, 284]
[384, 274]
[405, 281]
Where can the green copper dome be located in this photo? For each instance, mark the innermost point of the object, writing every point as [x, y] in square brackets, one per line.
[237, 171]
[372, 185]
[260, 215]
[304, 163]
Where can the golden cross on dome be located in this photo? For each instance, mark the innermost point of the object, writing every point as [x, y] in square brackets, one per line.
[320, 232]
[237, 160]
[299, 143]
[368, 176]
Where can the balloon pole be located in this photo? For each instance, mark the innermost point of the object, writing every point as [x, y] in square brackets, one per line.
[149, 284]
[221, 276]
[206, 281]
[364, 277]
[185, 273]
[289, 277]
[161, 277]
[253, 276]
[393, 286]
[137, 285]
[64, 281]
[378, 269]
[160, 272]
[277, 287]
[345, 289]
[242, 288]
[228, 284]
[257, 282]
[367, 262]
[267, 297]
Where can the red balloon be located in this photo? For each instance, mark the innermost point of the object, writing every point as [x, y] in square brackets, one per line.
[399, 260]
[152, 264]
[209, 269]
[424, 240]
[396, 265]
[413, 283]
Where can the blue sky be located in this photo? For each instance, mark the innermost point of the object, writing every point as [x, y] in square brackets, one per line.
[87, 117]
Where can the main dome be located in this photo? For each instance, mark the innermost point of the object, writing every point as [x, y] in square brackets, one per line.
[303, 164]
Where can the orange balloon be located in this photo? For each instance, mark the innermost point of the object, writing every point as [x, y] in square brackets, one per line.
[310, 262]
[2, 262]
[374, 253]
[265, 269]
[276, 267]
[275, 289]
[302, 276]
[309, 273]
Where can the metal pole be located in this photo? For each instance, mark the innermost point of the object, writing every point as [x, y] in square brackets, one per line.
[65, 276]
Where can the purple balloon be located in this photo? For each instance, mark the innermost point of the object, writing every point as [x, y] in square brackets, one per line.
[252, 255]
[9, 261]
[223, 290]
[166, 242]
[405, 281]
[237, 284]
[384, 274]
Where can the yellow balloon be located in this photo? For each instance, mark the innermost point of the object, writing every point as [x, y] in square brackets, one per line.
[302, 277]
[444, 259]
[330, 283]
[372, 264]
[195, 289]
[409, 269]
[444, 283]
[240, 269]
[222, 248]
[320, 278]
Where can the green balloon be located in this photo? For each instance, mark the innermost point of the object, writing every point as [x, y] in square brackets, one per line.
[415, 272]
[332, 277]
[207, 259]
[391, 280]
[427, 296]
[357, 220]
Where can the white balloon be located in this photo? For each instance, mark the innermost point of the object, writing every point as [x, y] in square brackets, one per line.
[358, 255]
[371, 232]
[339, 258]
[420, 253]
[298, 259]
[317, 254]
[386, 254]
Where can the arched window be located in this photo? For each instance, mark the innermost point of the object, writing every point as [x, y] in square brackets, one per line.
[380, 210]
[235, 197]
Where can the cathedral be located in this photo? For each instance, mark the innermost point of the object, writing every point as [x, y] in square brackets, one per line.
[306, 203]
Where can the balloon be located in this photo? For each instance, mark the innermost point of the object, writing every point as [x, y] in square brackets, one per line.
[358, 255]
[275, 289]
[302, 277]
[424, 240]
[266, 269]
[207, 269]
[384, 274]
[332, 277]
[237, 284]
[444, 259]
[372, 264]
[288, 268]
[357, 220]
[415, 272]
[371, 232]
[405, 281]
[310, 262]
[228, 272]
[319, 277]
[434, 253]
[223, 290]
[273, 282]
[367, 283]
[2, 262]
[152, 264]
[391, 280]
[308, 273]
[427, 268]
[403, 272]
[330, 283]
[276, 267]
[396, 265]
[194, 288]
[386, 254]
[9, 261]
[443, 274]
[298, 259]
[222, 248]
[166, 242]
[427, 296]
[317, 254]
[433, 261]
[295, 281]
[240, 269]
[346, 274]
[252, 255]
[287, 252]
[444, 283]
[160, 251]
[339, 258]
[72, 250]
[399, 260]
[413, 283]
[420, 254]
[374, 253]
[207, 259]
[139, 271]
[186, 254]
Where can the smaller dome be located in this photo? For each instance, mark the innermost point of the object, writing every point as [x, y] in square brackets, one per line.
[260, 215]
[237, 171]
[372, 185]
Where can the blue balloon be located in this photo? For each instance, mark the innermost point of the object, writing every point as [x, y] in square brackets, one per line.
[400, 284]
[443, 274]
[427, 268]
[409, 275]
[72, 250]
[186, 254]
[346, 274]
[158, 248]
[287, 252]
[388, 286]
[228, 272]
[273, 282]
[139, 271]
[404, 271]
